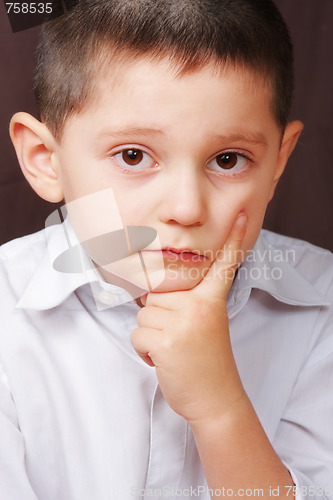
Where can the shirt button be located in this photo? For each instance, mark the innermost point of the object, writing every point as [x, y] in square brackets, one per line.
[106, 298]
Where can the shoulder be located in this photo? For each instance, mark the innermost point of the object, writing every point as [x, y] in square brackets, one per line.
[308, 281]
[281, 239]
[19, 259]
[313, 263]
[15, 247]
[301, 247]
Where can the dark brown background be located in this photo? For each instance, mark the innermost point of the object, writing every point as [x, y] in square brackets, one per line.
[303, 204]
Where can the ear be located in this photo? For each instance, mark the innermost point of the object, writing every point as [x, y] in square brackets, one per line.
[35, 149]
[289, 140]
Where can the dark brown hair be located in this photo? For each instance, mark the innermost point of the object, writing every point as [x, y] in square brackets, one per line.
[190, 33]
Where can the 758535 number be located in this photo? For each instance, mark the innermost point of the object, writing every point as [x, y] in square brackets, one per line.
[29, 8]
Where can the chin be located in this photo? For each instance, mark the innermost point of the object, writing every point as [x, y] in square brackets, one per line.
[177, 283]
[162, 277]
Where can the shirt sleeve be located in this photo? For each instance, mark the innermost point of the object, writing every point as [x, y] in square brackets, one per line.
[14, 482]
[304, 437]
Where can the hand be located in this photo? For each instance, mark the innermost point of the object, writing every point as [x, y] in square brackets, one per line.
[185, 335]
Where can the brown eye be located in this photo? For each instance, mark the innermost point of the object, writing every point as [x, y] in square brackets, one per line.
[230, 163]
[132, 156]
[227, 160]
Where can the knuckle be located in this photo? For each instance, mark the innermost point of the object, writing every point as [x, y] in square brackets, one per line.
[139, 316]
[134, 336]
[142, 316]
[168, 345]
[150, 298]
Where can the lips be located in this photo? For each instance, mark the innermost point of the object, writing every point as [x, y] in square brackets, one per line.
[183, 255]
[181, 250]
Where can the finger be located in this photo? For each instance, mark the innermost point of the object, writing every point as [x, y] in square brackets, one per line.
[231, 254]
[221, 273]
[143, 340]
[143, 299]
[170, 301]
[154, 317]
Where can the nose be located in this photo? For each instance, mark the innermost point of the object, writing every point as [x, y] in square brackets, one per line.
[184, 199]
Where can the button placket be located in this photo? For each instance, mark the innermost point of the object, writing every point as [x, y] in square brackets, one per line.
[168, 439]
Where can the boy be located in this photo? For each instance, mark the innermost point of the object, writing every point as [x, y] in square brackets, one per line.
[178, 110]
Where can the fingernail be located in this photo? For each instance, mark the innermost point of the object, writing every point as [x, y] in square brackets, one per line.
[241, 219]
[143, 299]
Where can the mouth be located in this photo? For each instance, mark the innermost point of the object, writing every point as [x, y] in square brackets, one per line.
[182, 255]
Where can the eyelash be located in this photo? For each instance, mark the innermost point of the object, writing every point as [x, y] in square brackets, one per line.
[218, 173]
[127, 170]
[238, 173]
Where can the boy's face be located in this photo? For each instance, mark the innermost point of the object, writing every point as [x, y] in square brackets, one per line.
[183, 155]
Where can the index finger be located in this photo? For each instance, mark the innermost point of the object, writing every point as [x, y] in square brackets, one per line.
[219, 278]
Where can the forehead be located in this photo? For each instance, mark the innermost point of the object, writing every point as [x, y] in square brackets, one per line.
[143, 93]
[147, 73]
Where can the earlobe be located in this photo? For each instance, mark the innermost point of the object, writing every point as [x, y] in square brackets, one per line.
[35, 150]
[289, 140]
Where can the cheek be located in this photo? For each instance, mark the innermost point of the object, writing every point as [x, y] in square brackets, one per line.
[75, 178]
[233, 199]
[134, 209]
[255, 205]
[248, 198]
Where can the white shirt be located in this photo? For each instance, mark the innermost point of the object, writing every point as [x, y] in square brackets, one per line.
[82, 416]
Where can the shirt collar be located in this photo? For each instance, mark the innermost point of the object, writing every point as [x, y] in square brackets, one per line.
[265, 268]
[49, 288]
[273, 269]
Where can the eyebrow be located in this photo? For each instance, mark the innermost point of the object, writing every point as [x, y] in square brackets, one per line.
[130, 131]
[249, 137]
